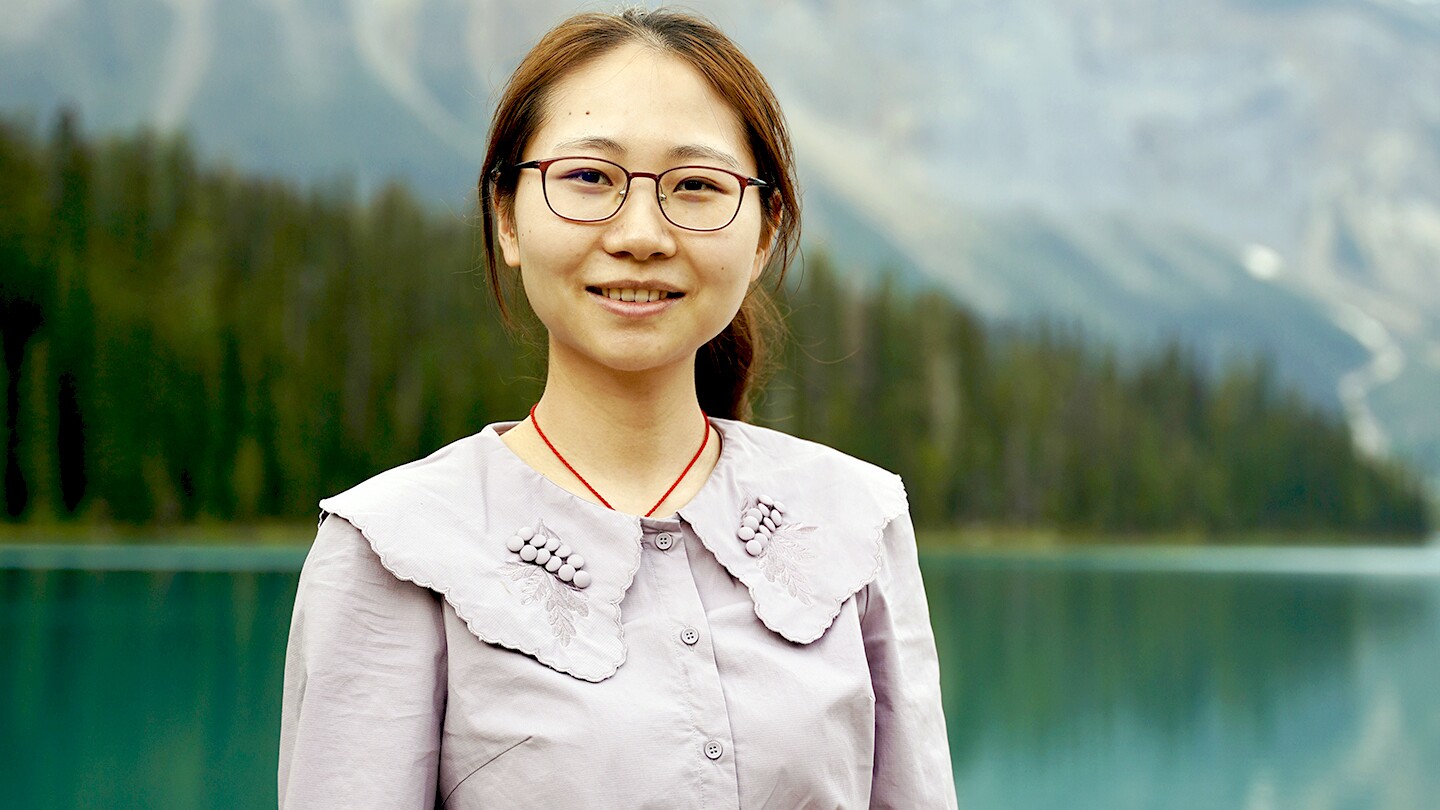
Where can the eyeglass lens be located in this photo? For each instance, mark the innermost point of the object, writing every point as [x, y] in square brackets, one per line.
[591, 189]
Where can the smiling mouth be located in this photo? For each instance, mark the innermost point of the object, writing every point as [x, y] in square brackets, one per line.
[637, 295]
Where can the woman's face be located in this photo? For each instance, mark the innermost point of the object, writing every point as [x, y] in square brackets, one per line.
[647, 112]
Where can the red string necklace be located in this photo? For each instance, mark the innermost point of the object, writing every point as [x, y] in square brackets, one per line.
[704, 441]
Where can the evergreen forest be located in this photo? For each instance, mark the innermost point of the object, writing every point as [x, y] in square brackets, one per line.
[187, 343]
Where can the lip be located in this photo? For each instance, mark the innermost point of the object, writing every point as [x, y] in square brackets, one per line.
[634, 284]
[635, 309]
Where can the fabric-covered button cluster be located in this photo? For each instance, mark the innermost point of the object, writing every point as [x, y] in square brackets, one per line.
[758, 523]
[545, 550]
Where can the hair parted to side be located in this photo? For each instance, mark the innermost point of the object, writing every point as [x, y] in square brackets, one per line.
[728, 368]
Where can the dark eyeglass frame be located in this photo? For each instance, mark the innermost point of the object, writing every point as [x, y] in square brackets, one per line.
[544, 165]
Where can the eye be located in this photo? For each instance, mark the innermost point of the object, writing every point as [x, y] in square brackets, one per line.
[591, 177]
[695, 184]
[698, 183]
[584, 174]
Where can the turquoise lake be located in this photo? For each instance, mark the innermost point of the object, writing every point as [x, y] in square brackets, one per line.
[1109, 678]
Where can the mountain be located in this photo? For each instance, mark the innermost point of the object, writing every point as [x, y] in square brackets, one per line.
[1250, 175]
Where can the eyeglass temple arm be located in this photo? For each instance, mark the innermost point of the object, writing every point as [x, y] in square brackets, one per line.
[500, 167]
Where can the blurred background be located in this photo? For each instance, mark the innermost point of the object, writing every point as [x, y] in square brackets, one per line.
[1142, 300]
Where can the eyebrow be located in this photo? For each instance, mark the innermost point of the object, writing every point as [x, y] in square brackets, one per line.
[691, 151]
[682, 152]
[602, 144]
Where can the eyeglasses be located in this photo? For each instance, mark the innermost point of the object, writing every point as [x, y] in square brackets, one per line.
[696, 198]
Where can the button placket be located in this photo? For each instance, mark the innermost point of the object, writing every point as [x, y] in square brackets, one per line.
[698, 678]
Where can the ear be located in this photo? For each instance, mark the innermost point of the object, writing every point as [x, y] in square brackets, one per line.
[768, 230]
[762, 257]
[505, 229]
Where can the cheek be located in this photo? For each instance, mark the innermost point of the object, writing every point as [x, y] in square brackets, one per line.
[731, 282]
[547, 244]
[739, 258]
[532, 219]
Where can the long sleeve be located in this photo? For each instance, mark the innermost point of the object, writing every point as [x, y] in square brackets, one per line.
[912, 766]
[365, 683]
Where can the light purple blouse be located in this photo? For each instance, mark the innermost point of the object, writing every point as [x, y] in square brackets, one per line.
[429, 665]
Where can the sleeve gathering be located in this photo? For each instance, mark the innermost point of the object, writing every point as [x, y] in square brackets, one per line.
[365, 682]
[912, 767]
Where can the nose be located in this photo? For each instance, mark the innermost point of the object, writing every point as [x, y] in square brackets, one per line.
[639, 229]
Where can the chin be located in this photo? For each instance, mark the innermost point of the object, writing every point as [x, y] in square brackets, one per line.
[638, 363]
[637, 356]
[632, 353]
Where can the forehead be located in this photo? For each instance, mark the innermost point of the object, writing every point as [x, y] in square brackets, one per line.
[642, 105]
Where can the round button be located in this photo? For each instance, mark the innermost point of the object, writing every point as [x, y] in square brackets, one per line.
[582, 579]
[713, 749]
[690, 635]
[755, 547]
[664, 541]
[542, 557]
[527, 553]
[745, 533]
[514, 543]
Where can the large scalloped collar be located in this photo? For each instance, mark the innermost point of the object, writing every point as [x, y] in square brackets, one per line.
[443, 522]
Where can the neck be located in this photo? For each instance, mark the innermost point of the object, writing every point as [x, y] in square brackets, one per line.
[630, 434]
[624, 421]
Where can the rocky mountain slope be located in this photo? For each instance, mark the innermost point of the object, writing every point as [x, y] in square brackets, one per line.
[1251, 175]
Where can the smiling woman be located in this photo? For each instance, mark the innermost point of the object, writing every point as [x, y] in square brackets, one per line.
[649, 108]
[615, 609]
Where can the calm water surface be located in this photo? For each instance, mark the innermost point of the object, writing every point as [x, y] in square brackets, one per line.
[1251, 679]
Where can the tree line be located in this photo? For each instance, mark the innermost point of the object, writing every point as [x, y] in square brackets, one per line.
[186, 342]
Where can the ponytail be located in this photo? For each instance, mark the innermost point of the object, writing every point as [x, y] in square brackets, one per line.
[737, 362]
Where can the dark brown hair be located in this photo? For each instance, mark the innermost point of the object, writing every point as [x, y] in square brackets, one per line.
[729, 367]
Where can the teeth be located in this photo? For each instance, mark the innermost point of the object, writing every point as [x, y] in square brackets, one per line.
[641, 296]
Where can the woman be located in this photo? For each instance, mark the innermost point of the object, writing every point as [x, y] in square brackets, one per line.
[630, 598]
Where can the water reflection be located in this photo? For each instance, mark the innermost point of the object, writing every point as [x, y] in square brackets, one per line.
[1075, 686]
[141, 689]
[1119, 681]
